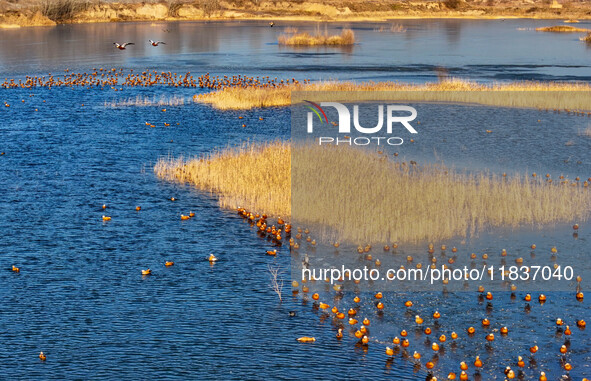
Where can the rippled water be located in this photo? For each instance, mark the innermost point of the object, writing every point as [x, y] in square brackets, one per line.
[80, 296]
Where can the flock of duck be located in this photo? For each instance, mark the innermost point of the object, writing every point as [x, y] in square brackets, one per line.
[221, 82]
[125, 44]
[345, 314]
[111, 78]
[278, 232]
[211, 258]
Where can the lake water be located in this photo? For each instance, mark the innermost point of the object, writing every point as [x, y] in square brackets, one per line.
[80, 296]
[482, 50]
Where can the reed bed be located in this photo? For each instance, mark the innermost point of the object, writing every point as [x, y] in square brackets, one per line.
[378, 200]
[249, 176]
[561, 29]
[347, 37]
[572, 96]
[142, 101]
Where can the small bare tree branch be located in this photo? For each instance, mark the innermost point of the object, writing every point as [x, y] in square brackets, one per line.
[276, 281]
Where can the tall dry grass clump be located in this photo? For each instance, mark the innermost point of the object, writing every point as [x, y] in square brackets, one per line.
[347, 37]
[561, 29]
[509, 94]
[250, 176]
[244, 98]
[363, 197]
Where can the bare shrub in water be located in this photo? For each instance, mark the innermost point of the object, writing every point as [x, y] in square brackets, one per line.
[586, 132]
[276, 281]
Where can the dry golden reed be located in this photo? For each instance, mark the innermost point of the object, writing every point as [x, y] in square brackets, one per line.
[561, 29]
[250, 176]
[573, 96]
[347, 37]
[364, 197]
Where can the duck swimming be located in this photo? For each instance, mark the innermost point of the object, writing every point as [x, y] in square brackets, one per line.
[478, 362]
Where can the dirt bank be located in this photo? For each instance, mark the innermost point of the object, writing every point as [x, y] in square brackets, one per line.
[51, 12]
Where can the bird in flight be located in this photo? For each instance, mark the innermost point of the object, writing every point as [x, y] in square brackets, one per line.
[271, 24]
[155, 43]
[122, 46]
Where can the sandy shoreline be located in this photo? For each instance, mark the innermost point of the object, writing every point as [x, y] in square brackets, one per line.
[12, 16]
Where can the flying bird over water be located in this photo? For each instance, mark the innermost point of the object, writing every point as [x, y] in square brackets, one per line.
[155, 43]
[271, 24]
[122, 46]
